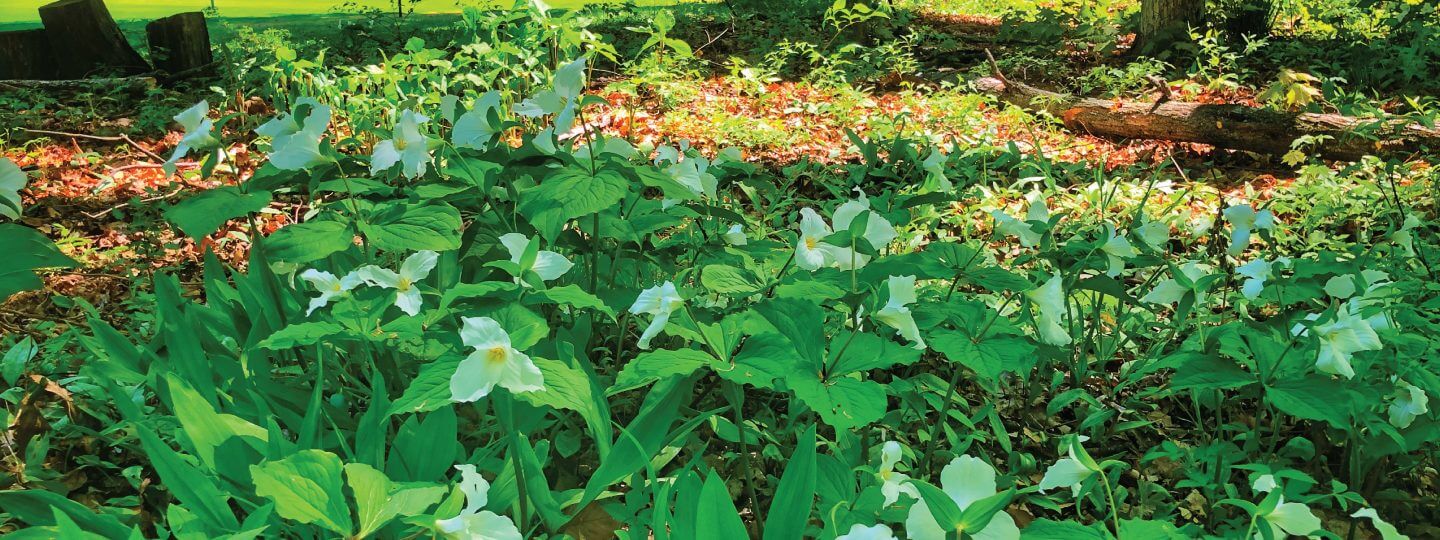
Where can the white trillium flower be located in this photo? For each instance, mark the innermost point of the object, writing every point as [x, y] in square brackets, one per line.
[1037, 212]
[549, 265]
[199, 134]
[1409, 404]
[474, 129]
[1404, 238]
[1068, 471]
[735, 236]
[408, 147]
[473, 522]
[1286, 518]
[415, 268]
[1171, 290]
[661, 302]
[878, 231]
[934, 167]
[1117, 249]
[893, 483]
[692, 172]
[1255, 272]
[896, 313]
[1340, 339]
[966, 479]
[1244, 219]
[1387, 531]
[494, 362]
[873, 532]
[329, 286]
[1154, 234]
[1050, 311]
[813, 253]
[295, 144]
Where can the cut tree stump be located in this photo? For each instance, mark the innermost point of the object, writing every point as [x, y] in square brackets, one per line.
[86, 40]
[180, 43]
[1227, 126]
[26, 54]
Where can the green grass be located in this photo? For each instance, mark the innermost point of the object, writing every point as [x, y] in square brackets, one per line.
[24, 11]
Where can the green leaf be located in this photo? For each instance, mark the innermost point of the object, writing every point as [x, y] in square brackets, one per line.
[430, 389]
[573, 296]
[473, 290]
[1313, 397]
[526, 328]
[202, 214]
[728, 280]
[196, 489]
[717, 517]
[795, 496]
[976, 516]
[942, 507]
[1210, 373]
[25, 251]
[13, 365]
[569, 194]
[868, 351]
[763, 358]
[566, 388]
[1044, 529]
[842, 403]
[38, 508]
[300, 335]
[799, 322]
[433, 226]
[989, 358]
[378, 500]
[309, 241]
[306, 487]
[653, 366]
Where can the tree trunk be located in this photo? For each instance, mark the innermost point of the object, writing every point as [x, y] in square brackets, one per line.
[87, 41]
[26, 54]
[1162, 22]
[180, 43]
[1226, 126]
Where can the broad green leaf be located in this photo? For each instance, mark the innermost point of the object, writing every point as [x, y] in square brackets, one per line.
[1313, 397]
[309, 241]
[378, 500]
[868, 351]
[843, 403]
[652, 366]
[989, 358]
[941, 506]
[728, 279]
[569, 194]
[573, 296]
[801, 323]
[717, 517]
[306, 487]
[413, 227]
[430, 389]
[795, 496]
[25, 251]
[38, 508]
[301, 334]
[202, 214]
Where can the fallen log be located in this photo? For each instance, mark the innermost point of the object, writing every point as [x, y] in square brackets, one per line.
[1227, 126]
[26, 54]
[86, 40]
[131, 85]
[180, 43]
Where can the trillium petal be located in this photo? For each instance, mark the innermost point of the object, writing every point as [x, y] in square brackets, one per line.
[409, 301]
[475, 488]
[656, 325]
[1387, 531]
[483, 333]
[551, 265]
[1001, 527]
[873, 532]
[418, 265]
[1294, 518]
[378, 277]
[383, 157]
[519, 374]
[920, 523]
[1066, 472]
[475, 377]
[516, 244]
[967, 479]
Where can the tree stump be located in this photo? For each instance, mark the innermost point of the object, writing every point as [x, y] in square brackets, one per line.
[26, 54]
[87, 41]
[180, 43]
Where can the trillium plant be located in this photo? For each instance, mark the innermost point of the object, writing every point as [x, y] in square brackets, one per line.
[492, 314]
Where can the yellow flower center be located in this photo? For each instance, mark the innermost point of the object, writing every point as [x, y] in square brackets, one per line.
[335, 287]
[403, 285]
[400, 144]
[496, 355]
[810, 242]
[885, 475]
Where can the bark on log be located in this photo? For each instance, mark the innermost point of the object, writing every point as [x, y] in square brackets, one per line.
[26, 54]
[180, 43]
[87, 41]
[1227, 126]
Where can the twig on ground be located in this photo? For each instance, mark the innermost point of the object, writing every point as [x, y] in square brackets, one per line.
[118, 138]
